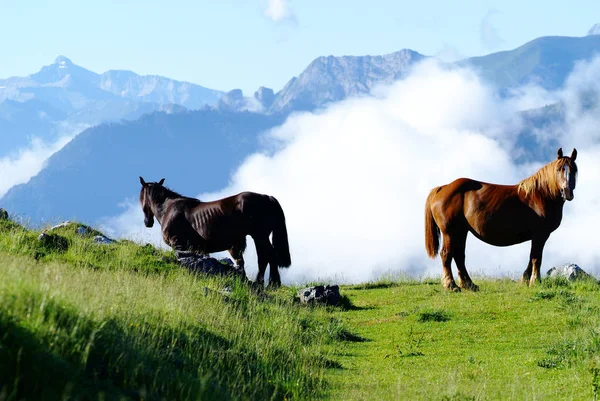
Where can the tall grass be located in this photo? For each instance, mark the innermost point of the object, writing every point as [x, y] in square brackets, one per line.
[123, 321]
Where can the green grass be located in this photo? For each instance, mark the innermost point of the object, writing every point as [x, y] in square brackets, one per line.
[123, 321]
[506, 342]
[84, 321]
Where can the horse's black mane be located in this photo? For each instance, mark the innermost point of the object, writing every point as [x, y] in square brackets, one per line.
[160, 193]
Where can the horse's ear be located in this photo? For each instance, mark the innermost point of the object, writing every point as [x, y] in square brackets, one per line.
[162, 181]
[559, 153]
[142, 181]
[574, 154]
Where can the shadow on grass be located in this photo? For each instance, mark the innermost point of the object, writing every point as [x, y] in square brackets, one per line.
[346, 304]
[433, 316]
[374, 286]
[113, 360]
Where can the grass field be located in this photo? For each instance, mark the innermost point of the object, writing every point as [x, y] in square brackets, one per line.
[506, 342]
[80, 320]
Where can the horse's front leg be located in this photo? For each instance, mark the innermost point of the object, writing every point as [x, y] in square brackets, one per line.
[535, 259]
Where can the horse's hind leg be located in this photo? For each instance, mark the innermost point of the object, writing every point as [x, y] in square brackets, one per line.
[274, 277]
[459, 243]
[446, 254]
[267, 256]
[263, 259]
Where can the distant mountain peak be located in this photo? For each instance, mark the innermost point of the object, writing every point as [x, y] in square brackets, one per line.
[63, 61]
[594, 30]
[330, 78]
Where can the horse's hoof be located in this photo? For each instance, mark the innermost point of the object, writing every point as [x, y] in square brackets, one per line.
[470, 286]
[453, 288]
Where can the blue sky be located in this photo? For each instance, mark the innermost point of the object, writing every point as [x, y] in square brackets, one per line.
[228, 44]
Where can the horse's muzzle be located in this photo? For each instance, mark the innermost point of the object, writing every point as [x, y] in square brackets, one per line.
[149, 223]
[567, 194]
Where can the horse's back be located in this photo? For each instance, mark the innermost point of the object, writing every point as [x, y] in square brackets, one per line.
[495, 213]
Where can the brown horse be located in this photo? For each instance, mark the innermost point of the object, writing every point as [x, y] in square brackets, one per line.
[188, 224]
[500, 215]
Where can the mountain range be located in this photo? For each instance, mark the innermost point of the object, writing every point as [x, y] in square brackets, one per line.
[99, 168]
[63, 97]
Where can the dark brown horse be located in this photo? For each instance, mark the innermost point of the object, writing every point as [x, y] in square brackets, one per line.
[500, 215]
[188, 224]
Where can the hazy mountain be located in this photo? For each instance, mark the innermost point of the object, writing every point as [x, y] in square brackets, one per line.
[21, 121]
[99, 169]
[74, 87]
[196, 151]
[546, 61]
[330, 79]
[63, 95]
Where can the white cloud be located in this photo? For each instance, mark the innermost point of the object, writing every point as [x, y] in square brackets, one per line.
[26, 163]
[353, 178]
[279, 10]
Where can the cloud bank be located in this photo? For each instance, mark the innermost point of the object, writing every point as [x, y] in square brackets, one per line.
[353, 178]
[26, 163]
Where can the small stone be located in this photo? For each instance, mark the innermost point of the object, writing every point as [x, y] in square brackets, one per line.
[63, 224]
[570, 271]
[202, 263]
[101, 239]
[328, 295]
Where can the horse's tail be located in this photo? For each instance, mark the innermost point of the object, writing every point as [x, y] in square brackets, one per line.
[280, 237]
[432, 231]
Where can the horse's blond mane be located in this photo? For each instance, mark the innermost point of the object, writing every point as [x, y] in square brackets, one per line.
[544, 181]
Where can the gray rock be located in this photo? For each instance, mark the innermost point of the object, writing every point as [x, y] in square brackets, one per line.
[3, 214]
[200, 263]
[570, 271]
[329, 295]
[61, 225]
[81, 230]
[101, 239]
[84, 232]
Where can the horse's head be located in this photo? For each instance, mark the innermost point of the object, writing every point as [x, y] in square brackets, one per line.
[146, 200]
[567, 174]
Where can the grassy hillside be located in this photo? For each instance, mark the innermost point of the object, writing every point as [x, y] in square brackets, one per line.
[79, 320]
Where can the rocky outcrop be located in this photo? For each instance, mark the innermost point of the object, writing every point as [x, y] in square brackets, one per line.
[265, 97]
[570, 271]
[328, 295]
[199, 263]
